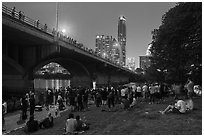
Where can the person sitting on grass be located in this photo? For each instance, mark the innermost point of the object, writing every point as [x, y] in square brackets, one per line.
[31, 125]
[189, 104]
[179, 107]
[70, 124]
[47, 122]
[81, 126]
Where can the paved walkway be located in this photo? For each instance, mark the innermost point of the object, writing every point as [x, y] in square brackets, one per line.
[12, 118]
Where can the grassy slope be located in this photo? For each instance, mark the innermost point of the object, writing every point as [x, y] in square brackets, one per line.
[134, 122]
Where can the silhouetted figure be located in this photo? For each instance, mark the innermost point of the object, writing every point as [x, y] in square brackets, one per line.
[79, 102]
[47, 122]
[81, 126]
[3, 115]
[13, 11]
[110, 98]
[60, 103]
[32, 104]
[24, 106]
[37, 23]
[31, 125]
[45, 27]
[20, 14]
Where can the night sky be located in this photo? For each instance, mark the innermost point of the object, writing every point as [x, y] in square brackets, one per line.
[84, 20]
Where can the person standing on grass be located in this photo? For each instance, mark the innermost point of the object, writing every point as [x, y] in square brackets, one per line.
[67, 96]
[24, 107]
[72, 99]
[98, 98]
[85, 99]
[189, 86]
[32, 104]
[110, 98]
[60, 102]
[162, 91]
[4, 106]
[138, 92]
[145, 91]
[80, 101]
[124, 91]
[104, 98]
[151, 94]
[130, 95]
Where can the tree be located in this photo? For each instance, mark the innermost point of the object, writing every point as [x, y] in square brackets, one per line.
[153, 74]
[177, 43]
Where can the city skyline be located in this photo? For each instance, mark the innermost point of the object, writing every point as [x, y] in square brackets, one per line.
[84, 20]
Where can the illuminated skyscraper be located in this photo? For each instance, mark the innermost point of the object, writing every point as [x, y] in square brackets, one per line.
[122, 38]
[131, 63]
[104, 46]
[100, 42]
[115, 51]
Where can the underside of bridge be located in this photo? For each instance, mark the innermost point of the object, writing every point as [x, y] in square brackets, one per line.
[19, 79]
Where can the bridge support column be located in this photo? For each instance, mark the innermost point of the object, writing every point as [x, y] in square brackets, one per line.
[28, 57]
[15, 85]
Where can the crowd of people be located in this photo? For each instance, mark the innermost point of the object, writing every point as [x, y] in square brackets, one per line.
[105, 98]
[76, 98]
[27, 101]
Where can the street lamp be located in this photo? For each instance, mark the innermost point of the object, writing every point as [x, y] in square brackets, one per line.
[56, 34]
[57, 14]
[63, 31]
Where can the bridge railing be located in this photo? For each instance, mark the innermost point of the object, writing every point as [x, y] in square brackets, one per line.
[19, 15]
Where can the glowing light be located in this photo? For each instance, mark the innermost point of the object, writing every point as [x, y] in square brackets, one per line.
[63, 31]
[122, 17]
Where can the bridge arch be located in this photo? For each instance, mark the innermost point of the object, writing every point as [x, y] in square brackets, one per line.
[80, 76]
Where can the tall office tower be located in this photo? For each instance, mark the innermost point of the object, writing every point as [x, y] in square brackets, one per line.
[108, 46]
[100, 41]
[131, 63]
[115, 51]
[104, 46]
[122, 38]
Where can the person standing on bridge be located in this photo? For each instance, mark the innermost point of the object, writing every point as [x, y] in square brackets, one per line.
[20, 15]
[45, 27]
[37, 23]
[13, 12]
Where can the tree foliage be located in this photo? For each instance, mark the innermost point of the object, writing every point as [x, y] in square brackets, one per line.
[177, 43]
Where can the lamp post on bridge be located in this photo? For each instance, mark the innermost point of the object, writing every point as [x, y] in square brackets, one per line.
[57, 10]
[56, 34]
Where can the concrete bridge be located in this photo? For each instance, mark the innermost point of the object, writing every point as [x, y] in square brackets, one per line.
[28, 45]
